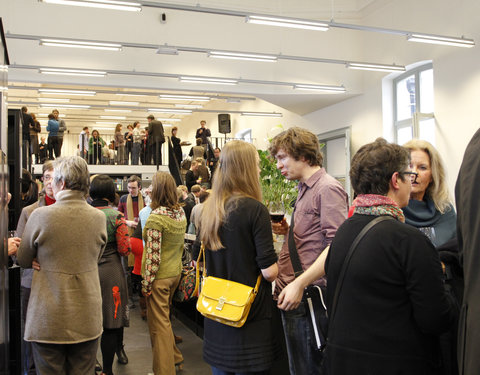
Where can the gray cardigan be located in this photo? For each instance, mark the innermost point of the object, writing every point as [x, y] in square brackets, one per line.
[68, 239]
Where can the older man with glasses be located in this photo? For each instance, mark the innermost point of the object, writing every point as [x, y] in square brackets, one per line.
[45, 198]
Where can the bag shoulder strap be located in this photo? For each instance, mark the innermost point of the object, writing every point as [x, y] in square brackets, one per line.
[292, 249]
[201, 256]
[348, 257]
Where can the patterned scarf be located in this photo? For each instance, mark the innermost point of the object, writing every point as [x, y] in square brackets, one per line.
[377, 205]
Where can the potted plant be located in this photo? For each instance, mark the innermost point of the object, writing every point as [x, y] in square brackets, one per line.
[278, 192]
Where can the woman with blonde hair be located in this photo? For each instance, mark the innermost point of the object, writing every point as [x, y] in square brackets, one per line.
[163, 234]
[237, 234]
[430, 208]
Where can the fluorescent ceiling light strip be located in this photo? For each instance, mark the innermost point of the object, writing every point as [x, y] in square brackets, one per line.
[114, 117]
[331, 89]
[242, 56]
[169, 119]
[118, 110]
[115, 102]
[170, 110]
[57, 100]
[376, 67]
[126, 94]
[261, 114]
[65, 105]
[69, 92]
[434, 39]
[73, 72]
[80, 44]
[46, 115]
[185, 97]
[190, 106]
[106, 4]
[287, 22]
[214, 81]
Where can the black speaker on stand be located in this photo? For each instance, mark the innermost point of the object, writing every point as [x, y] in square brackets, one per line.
[224, 124]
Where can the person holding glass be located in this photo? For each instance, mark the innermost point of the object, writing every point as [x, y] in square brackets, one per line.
[237, 234]
[392, 305]
[429, 208]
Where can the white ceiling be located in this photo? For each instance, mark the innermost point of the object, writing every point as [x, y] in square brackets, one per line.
[141, 70]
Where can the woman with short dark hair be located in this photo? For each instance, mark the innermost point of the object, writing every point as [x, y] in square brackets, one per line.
[112, 277]
[392, 304]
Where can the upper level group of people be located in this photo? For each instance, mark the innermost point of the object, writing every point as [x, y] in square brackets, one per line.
[392, 304]
[134, 145]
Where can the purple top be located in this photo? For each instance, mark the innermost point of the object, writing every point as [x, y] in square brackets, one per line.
[321, 207]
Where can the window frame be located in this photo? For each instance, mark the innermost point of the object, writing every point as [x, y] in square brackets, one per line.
[414, 121]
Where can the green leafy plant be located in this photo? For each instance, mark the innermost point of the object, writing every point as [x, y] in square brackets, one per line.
[276, 189]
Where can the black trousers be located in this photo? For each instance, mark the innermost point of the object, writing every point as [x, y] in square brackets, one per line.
[155, 151]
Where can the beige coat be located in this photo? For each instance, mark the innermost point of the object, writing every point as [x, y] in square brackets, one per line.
[67, 238]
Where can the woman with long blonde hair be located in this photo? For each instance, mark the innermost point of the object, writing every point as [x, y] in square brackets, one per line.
[430, 208]
[236, 231]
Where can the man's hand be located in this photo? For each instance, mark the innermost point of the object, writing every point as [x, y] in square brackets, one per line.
[280, 228]
[13, 244]
[291, 296]
[131, 223]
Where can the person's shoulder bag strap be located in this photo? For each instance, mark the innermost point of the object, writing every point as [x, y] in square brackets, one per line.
[347, 259]
[292, 249]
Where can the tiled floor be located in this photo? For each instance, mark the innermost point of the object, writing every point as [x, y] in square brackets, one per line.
[139, 352]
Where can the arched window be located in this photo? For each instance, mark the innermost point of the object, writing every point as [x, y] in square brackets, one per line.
[413, 105]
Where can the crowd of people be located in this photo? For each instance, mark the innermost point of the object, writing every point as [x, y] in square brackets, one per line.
[131, 146]
[395, 280]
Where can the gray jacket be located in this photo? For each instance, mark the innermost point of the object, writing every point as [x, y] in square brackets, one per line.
[27, 274]
[68, 239]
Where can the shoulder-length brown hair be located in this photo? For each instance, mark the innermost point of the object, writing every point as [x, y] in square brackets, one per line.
[236, 176]
[164, 191]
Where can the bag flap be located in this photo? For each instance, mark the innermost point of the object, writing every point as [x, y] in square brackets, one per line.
[231, 292]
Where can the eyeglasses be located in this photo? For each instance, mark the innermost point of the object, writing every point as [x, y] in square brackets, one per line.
[47, 178]
[413, 176]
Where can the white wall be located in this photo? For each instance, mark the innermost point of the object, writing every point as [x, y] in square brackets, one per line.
[456, 77]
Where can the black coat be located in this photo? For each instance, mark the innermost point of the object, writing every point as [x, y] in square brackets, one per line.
[468, 234]
[392, 305]
[155, 132]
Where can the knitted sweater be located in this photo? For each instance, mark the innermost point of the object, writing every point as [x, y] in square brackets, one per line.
[163, 234]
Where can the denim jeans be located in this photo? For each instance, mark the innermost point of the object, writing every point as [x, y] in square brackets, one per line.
[216, 371]
[303, 359]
